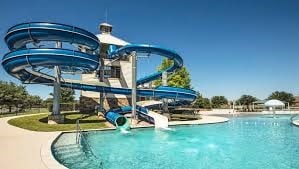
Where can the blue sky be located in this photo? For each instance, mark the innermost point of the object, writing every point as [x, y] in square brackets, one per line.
[230, 47]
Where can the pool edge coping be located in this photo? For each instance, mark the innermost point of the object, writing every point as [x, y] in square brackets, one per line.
[296, 123]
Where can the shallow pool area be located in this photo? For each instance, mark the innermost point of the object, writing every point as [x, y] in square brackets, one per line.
[243, 142]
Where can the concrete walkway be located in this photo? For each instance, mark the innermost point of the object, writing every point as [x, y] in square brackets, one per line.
[20, 149]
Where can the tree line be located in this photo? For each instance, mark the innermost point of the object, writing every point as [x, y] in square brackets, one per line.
[16, 96]
[244, 100]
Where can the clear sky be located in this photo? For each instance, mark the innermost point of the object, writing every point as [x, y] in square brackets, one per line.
[230, 47]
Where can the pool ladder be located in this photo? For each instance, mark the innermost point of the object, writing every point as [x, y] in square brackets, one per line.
[79, 135]
[78, 132]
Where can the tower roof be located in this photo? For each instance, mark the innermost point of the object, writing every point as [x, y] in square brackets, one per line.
[110, 39]
[106, 38]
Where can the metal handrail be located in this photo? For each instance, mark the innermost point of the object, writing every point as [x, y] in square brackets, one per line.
[80, 134]
[78, 131]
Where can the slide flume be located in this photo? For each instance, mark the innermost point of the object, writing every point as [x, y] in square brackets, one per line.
[22, 62]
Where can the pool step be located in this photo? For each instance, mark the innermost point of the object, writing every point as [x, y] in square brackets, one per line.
[85, 164]
[68, 150]
[72, 154]
[63, 147]
[81, 161]
[77, 156]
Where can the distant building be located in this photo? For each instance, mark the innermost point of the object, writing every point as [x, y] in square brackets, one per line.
[115, 73]
[296, 102]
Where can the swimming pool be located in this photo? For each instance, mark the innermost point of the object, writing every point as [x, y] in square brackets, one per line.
[244, 142]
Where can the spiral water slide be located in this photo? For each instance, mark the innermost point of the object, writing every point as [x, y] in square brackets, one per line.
[25, 63]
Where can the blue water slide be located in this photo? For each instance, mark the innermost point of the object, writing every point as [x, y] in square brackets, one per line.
[19, 35]
[115, 116]
[150, 49]
[22, 61]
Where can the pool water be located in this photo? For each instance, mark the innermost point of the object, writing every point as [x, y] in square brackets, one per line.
[242, 143]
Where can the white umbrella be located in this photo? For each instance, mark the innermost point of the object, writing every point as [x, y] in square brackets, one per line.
[274, 103]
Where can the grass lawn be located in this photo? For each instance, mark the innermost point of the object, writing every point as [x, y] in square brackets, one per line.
[39, 122]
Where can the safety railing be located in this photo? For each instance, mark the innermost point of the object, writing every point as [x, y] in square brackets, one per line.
[80, 136]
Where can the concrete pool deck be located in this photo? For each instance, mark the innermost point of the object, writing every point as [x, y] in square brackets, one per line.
[20, 148]
[296, 122]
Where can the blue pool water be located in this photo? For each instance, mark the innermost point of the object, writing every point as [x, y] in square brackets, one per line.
[241, 143]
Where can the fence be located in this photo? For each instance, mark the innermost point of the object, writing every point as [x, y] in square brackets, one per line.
[42, 108]
[65, 107]
[17, 110]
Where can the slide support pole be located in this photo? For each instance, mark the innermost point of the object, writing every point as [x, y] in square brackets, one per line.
[56, 89]
[102, 80]
[165, 100]
[56, 117]
[134, 74]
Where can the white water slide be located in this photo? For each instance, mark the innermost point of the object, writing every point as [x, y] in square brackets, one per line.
[159, 120]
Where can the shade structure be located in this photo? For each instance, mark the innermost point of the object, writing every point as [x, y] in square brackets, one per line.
[274, 103]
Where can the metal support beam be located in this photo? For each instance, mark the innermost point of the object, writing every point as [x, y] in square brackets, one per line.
[134, 75]
[165, 100]
[102, 80]
[56, 90]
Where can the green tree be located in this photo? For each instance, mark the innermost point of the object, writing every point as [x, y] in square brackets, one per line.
[201, 102]
[246, 100]
[218, 101]
[47, 102]
[66, 95]
[33, 100]
[12, 95]
[180, 78]
[283, 96]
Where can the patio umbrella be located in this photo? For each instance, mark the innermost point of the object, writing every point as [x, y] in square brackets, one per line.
[272, 104]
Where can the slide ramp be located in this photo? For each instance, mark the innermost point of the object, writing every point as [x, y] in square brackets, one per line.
[159, 120]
